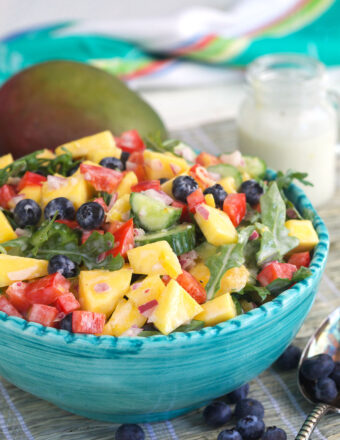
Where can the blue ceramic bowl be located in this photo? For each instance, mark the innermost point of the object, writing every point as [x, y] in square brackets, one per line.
[152, 379]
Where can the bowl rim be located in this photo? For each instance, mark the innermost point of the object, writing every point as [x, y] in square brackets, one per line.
[241, 321]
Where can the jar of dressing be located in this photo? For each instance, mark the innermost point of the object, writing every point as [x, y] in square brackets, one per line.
[288, 120]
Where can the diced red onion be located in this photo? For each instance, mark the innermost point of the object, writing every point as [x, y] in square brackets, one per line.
[186, 152]
[136, 286]
[147, 307]
[175, 168]
[22, 232]
[112, 201]
[131, 166]
[234, 159]
[59, 317]
[101, 287]
[134, 330]
[138, 232]
[202, 211]
[187, 260]
[254, 236]
[15, 200]
[159, 195]
[215, 176]
[291, 213]
[156, 164]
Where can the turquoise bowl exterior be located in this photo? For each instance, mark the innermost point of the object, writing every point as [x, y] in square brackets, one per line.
[151, 379]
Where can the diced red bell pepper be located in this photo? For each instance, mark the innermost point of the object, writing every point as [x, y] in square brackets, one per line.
[206, 159]
[46, 290]
[87, 234]
[7, 307]
[192, 286]
[102, 203]
[275, 270]
[130, 141]
[88, 322]
[101, 178]
[67, 303]
[194, 199]
[185, 217]
[300, 259]
[73, 224]
[7, 192]
[30, 178]
[113, 226]
[124, 239]
[146, 184]
[201, 175]
[42, 314]
[135, 163]
[235, 206]
[16, 293]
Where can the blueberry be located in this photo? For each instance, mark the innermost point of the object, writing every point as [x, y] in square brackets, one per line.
[113, 163]
[63, 265]
[325, 390]
[229, 434]
[249, 407]
[238, 394]
[72, 170]
[289, 358]
[90, 215]
[218, 192]
[336, 374]
[253, 191]
[64, 207]
[124, 158]
[274, 433]
[317, 366]
[183, 186]
[250, 427]
[66, 323]
[217, 414]
[130, 432]
[27, 213]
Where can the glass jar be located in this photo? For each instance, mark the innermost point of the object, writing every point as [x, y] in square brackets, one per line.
[287, 119]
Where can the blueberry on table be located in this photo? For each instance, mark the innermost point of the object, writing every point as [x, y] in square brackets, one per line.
[218, 193]
[124, 158]
[325, 390]
[183, 186]
[66, 323]
[316, 367]
[113, 163]
[249, 407]
[250, 428]
[217, 414]
[130, 432]
[63, 265]
[253, 191]
[90, 215]
[238, 394]
[274, 433]
[64, 207]
[336, 374]
[27, 213]
[229, 434]
[289, 358]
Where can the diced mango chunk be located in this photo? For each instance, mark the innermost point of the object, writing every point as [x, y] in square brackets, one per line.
[94, 147]
[159, 165]
[20, 268]
[127, 182]
[5, 160]
[123, 318]
[100, 290]
[155, 259]
[145, 291]
[228, 184]
[216, 226]
[209, 200]
[217, 310]
[120, 210]
[33, 192]
[201, 272]
[74, 188]
[175, 307]
[6, 230]
[46, 154]
[304, 231]
[234, 280]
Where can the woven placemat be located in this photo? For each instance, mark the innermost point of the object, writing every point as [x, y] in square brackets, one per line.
[23, 416]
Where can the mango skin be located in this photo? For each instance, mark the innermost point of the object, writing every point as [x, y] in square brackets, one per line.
[55, 102]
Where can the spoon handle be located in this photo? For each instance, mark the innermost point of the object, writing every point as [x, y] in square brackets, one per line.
[312, 420]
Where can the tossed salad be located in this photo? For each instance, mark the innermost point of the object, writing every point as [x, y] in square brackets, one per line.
[112, 236]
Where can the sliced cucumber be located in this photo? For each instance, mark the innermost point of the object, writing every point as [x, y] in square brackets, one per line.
[152, 215]
[181, 238]
[255, 167]
[226, 170]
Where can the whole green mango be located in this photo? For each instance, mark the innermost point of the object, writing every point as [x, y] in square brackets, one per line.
[58, 101]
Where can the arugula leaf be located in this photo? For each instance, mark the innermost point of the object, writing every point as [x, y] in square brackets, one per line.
[226, 257]
[284, 180]
[252, 216]
[156, 143]
[96, 245]
[148, 333]
[280, 284]
[236, 301]
[192, 326]
[275, 241]
[106, 197]
[255, 293]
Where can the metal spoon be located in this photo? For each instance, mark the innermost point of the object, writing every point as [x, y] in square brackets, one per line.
[325, 340]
